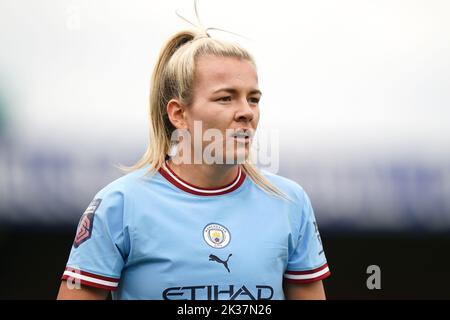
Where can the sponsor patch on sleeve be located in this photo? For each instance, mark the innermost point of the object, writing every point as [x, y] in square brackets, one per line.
[86, 224]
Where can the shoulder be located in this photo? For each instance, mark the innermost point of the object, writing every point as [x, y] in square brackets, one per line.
[116, 200]
[127, 184]
[299, 205]
[121, 192]
[291, 188]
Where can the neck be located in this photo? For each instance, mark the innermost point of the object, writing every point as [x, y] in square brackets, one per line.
[205, 175]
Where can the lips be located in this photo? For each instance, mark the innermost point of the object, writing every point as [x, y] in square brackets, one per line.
[246, 134]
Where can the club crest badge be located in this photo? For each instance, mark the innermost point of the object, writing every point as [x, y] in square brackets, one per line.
[216, 235]
[86, 224]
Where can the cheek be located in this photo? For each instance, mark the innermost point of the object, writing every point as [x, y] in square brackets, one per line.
[207, 115]
[256, 117]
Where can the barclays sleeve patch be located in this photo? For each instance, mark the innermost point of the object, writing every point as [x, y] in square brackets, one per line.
[86, 224]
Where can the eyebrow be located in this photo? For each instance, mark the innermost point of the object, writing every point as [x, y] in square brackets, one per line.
[233, 90]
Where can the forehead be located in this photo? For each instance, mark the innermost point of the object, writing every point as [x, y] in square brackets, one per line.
[213, 72]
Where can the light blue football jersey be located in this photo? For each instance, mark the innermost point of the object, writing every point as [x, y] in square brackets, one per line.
[162, 238]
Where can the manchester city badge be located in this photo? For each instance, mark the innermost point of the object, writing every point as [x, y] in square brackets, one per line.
[216, 235]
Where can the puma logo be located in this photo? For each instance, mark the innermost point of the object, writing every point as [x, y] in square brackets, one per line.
[217, 259]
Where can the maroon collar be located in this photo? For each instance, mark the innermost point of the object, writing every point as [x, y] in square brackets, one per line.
[168, 173]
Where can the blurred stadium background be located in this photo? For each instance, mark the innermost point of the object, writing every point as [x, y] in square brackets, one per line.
[358, 91]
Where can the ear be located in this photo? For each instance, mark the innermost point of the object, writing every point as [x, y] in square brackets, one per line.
[176, 112]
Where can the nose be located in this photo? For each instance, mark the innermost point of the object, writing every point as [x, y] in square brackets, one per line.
[245, 112]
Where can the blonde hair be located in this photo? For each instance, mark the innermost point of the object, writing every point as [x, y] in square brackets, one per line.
[173, 77]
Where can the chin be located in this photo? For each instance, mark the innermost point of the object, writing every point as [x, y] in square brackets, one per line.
[240, 155]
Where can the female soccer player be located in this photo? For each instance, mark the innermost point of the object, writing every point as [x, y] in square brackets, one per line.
[185, 225]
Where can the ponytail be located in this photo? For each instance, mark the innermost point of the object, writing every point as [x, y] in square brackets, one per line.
[161, 91]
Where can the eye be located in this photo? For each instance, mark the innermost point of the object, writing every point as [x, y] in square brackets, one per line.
[254, 100]
[227, 98]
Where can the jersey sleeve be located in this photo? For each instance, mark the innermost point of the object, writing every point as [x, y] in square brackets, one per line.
[307, 262]
[101, 244]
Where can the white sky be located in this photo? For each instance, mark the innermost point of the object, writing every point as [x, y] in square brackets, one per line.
[335, 74]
